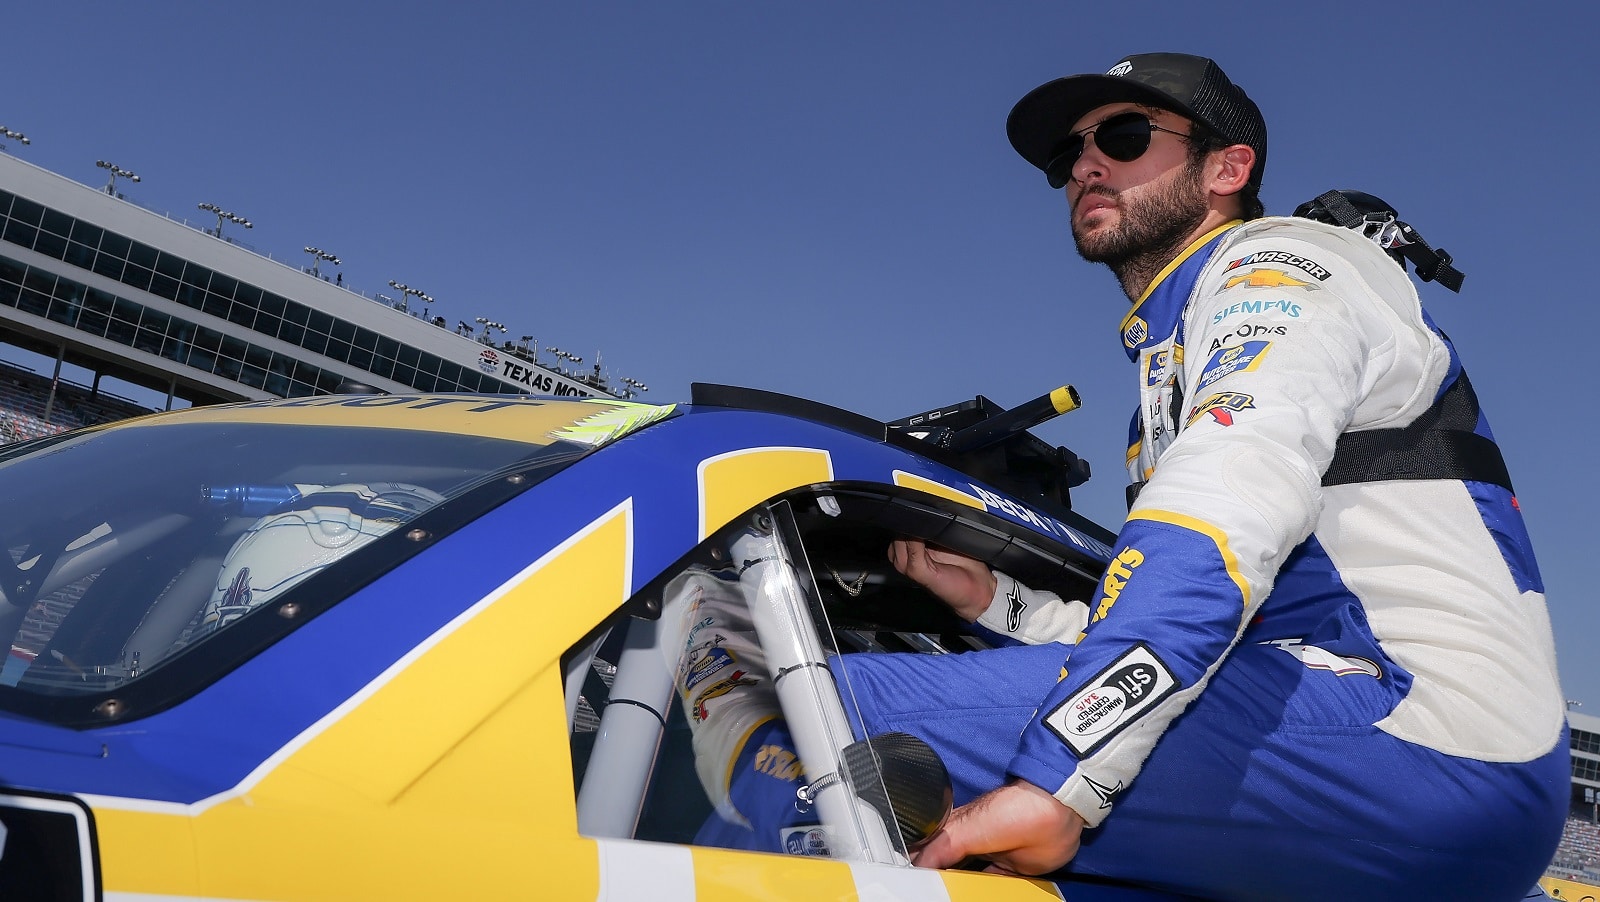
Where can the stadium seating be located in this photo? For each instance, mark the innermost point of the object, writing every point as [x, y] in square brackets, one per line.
[24, 397]
[1578, 855]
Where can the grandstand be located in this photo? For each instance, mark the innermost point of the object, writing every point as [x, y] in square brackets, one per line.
[91, 282]
[32, 406]
[1578, 856]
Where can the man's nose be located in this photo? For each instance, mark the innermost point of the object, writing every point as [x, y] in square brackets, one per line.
[1090, 163]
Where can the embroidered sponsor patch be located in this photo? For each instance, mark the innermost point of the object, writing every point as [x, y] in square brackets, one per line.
[1155, 364]
[1014, 608]
[707, 664]
[1116, 697]
[717, 690]
[1222, 406]
[1118, 572]
[1102, 791]
[1237, 359]
[778, 762]
[1136, 332]
[1281, 307]
[1248, 330]
[1306, 264]
[1266, 278]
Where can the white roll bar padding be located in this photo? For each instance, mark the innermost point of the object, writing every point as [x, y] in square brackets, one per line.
[629, 737]
[808, 696]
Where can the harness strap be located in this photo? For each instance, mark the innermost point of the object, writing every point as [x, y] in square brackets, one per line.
[1439, 444]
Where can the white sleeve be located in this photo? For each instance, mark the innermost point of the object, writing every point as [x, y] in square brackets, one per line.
[1032, 616]
[719, 671]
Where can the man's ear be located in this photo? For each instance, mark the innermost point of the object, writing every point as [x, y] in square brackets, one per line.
[1235, 162]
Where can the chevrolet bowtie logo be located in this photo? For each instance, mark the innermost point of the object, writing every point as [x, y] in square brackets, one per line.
[1266, 278]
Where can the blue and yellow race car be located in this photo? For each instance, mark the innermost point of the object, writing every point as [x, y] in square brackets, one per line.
[450, 646]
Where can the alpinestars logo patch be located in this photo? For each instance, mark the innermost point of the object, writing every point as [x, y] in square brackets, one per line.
[1014, 608]
[1102, 791]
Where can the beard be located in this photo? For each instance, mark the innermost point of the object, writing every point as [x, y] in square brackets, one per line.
[1155, 227]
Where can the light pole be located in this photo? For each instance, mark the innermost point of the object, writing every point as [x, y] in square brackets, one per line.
[406, 291]
[563, 355]
[634, 387]
[487, 325]
[15, 136]
[111, 186]
[318, 255]
[225, 215]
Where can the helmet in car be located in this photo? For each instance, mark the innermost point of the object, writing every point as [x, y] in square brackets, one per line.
[304, 536]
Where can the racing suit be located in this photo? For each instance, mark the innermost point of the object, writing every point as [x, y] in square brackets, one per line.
[1282, 689]
[1324, 691]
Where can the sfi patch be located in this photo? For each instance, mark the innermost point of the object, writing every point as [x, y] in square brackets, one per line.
[1114, 698]
[810, 841]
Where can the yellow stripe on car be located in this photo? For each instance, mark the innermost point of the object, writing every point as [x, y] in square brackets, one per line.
[536, 421]
[443, 778]
[732, 483]
[923, 484]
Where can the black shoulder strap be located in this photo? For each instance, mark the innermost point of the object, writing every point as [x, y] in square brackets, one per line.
[1439, 444]
[1433, 265]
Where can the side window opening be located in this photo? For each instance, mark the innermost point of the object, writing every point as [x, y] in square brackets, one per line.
[835, 539]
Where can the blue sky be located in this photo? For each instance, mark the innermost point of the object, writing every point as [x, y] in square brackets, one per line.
[818, 198]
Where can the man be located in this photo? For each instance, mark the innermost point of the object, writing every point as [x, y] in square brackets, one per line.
[1320, 664]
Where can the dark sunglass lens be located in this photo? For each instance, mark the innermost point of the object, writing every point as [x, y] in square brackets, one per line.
[1123, 138]
[1059, 169]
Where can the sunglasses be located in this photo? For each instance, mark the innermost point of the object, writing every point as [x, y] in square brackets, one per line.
[1123, 137]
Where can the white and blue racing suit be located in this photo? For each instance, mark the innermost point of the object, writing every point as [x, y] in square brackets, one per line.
[1282, 689]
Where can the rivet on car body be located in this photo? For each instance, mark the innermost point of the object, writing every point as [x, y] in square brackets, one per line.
[417, 535]
[516, 479]
[289, 611]
[111, 707]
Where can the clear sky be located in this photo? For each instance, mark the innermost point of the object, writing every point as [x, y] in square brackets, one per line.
[818, 198]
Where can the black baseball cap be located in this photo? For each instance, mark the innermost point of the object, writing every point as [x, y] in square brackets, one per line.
[1192, 86]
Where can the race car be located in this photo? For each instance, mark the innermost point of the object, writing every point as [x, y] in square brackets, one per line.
[456, 646]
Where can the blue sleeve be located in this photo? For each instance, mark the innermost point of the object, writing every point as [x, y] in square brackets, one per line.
[1168, 608]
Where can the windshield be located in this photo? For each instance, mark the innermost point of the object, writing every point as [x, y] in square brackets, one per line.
[127, 546]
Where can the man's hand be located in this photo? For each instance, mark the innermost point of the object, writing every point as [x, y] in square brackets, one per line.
[1019, 827]
[963, 583]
